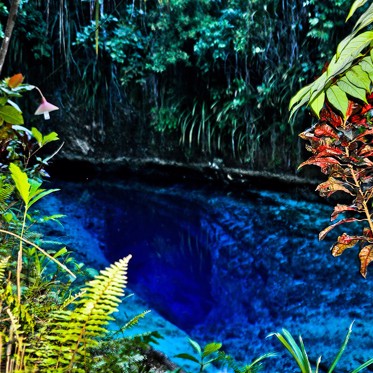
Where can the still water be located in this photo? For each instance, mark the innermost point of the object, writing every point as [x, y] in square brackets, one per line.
[232, 266]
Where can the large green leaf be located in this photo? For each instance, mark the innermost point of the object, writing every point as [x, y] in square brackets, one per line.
[21, 180]
[365, 19]
[338, 99]
[11, 115]
[359, 78]
[355, 5]
[348, 52]
[351, 89]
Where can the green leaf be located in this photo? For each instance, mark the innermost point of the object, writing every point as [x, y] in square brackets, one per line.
[359, 78]
[196, 346]
[341, 350]
[37, 135]
[363, 366]
[3, 100]
[187, 357]
[21, 180]
[53, 136]
[355, 5]
[210, 348]
[352, 90]
[318, 103]
[300, 95]
[41, 195]
[11, 115]
[364, 20]
[338, 99]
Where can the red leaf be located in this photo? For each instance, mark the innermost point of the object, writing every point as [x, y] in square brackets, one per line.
[344, 242]
[332, 185]
[365, 256]
[366, 150]
[325, 150]
[324, 130]
[329, 116]
[350, 108]
[366, 108]
[340, 209]
[358, 120]
[322, 162]
[325, 231]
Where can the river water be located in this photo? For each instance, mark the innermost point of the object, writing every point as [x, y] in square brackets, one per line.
[231, 266]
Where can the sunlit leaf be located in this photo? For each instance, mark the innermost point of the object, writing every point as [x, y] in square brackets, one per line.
[365, 256]
[210, 348]
[358, 77]
[37, 135]
[352, 90]
[21, 181]
[11, 115]
[338, 99]
[318, 103]
[365, 19]
[357, 4]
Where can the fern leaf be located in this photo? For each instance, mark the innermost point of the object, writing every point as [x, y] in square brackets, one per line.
[3, 265]
[71, 332]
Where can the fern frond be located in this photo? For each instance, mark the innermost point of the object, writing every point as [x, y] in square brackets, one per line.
[71, 332]
[6, 191]
[3, 265]
[133, 322]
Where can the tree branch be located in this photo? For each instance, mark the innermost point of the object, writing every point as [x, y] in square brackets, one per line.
[8, 31]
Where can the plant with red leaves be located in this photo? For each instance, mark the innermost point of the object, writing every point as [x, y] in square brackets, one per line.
[343, 149]
[341, 142]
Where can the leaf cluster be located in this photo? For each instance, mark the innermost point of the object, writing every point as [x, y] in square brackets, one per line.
[298, 352]
[341, 140]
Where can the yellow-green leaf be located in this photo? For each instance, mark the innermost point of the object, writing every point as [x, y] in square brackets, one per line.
[11, 115]
[352, 90]
[357, 4]
[359, 78]
[338, 99]
[21, 180]
[318, 103]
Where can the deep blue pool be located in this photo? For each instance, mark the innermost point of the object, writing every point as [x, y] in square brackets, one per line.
[233, 266]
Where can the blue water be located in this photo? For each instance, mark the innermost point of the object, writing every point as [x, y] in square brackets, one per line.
[234, 266]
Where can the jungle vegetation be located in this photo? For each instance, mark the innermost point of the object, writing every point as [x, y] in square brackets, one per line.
[215, 76]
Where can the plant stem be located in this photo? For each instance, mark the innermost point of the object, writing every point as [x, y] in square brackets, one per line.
[364, 201]
[19, 258]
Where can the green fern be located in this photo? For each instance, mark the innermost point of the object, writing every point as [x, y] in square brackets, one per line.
[69, 333]
[3, 266]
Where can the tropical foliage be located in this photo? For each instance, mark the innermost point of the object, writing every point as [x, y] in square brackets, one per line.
[47, 322]
[298, 352]
[216, 76]
[341, 140]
